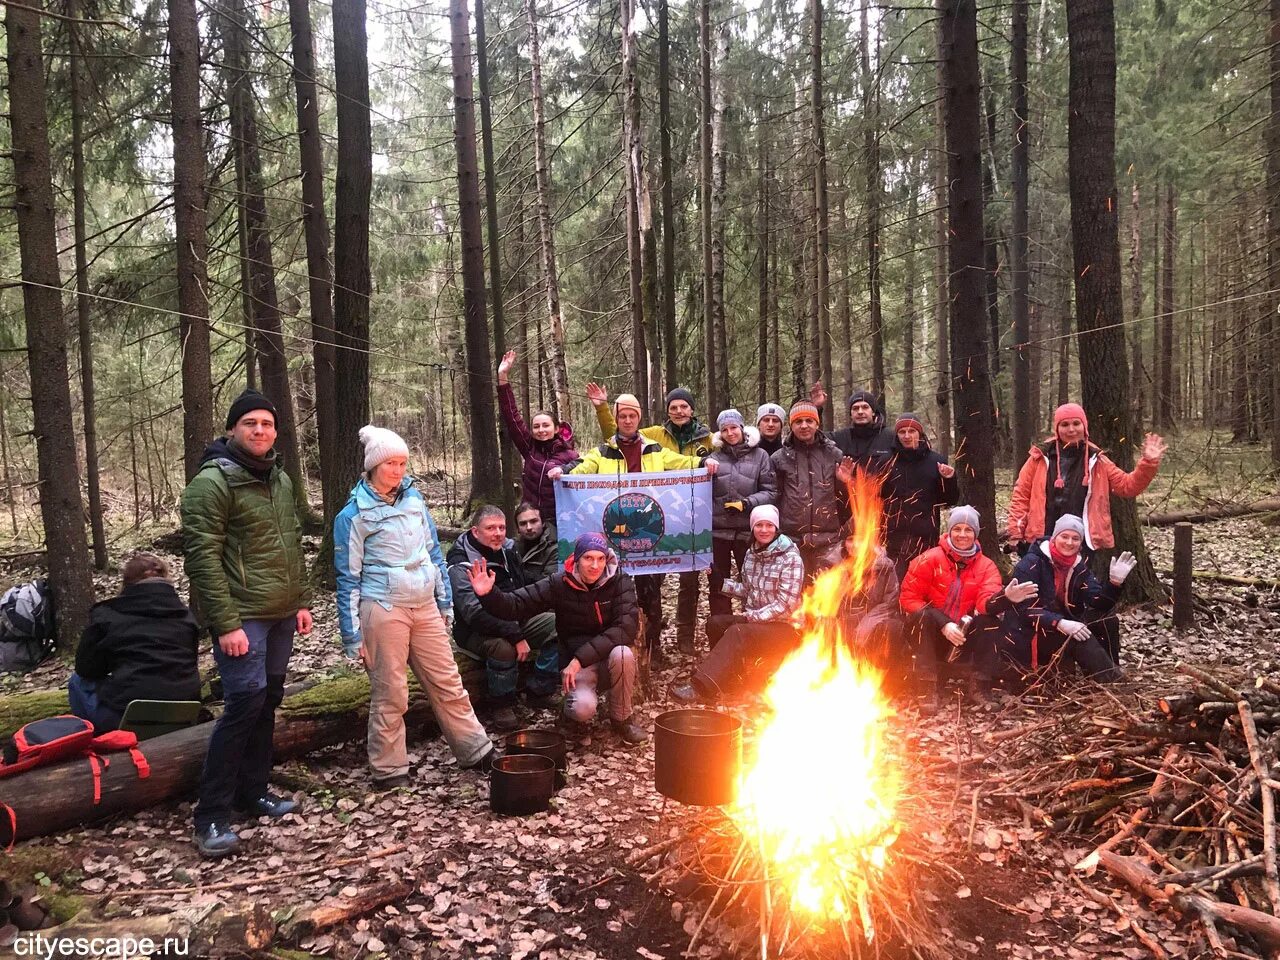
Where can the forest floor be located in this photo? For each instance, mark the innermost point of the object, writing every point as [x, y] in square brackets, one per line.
[555, 885]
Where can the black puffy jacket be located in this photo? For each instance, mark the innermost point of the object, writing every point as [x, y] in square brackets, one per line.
[862, 443]
[812, 503]
[914, 494]
[590, 621]
[141, 645]
[471, 619]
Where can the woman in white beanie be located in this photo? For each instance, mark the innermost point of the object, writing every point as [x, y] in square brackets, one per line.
[394, 607]
[770, 589]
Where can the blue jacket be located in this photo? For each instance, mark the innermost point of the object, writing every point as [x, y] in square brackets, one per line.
[1084, 593]
[386, 552]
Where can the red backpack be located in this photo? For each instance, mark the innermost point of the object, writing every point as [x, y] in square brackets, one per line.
[54, 739]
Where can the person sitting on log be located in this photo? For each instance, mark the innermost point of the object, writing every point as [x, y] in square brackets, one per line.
[542, 444]
[1067, 474]
[872, 618]
[952, 596]
[1070, 614]
[242, 543]
[394, 611]
[745, 645]
[140, 645]
[502, 642]
[597, 623]
[536, 542]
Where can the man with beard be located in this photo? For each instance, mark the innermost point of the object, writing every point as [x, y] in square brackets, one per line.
[535, 542]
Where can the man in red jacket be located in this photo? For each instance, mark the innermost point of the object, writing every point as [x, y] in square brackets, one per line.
[952, 595]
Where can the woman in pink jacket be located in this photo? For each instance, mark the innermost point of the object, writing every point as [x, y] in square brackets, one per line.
[1067, 474]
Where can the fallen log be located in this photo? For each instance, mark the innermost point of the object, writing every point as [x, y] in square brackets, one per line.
[1219, 511]
[50, 799]
[204, 930]
[340, 910]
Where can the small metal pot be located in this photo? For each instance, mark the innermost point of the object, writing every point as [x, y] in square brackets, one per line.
[521, 784]
[542, 743]
[697, 756]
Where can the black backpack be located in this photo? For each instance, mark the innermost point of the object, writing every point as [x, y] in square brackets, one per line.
[26, 626]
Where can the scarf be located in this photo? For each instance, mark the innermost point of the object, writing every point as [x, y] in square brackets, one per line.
[964, 554]
[1062, 567]
[632, 450]
[260, 467]
[951, 603]
[685, 434]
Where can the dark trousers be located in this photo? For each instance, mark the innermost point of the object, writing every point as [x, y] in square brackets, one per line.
[649, 596]
[816, 559]
[718, 623]
[723, 553]
[746, 653]
[82, 696]
[903, 549]
[931, 648]
[1093, 657]
[687, 604]
[239, 758]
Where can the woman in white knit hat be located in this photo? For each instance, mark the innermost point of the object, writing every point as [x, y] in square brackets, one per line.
[394, 607]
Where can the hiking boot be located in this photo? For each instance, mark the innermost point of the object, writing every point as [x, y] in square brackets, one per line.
[216, 840]
[485, 763]
[504, 719]
[629, 731]
[269, 805]
[393, 782]
[686, 693]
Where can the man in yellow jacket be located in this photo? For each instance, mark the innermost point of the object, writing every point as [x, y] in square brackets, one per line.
[628, 449]
[681, 433]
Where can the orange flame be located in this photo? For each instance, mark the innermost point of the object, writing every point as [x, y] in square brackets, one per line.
[820, 794]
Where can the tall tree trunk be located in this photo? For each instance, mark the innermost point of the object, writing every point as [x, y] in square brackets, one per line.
[710, 375]
[992, 240]
[486, 471]
[1273, 227]
[719, 163]
[762, 256]
[941, 279]
[669, 351]
[632, 159]
[1095, 214]
[266, 303]
[871, 147]
[1136, 296]
[58, 469]
[909, 291]
[1241, 426]
[975, 430]
[1024, 415]
[1064, 354]
[189, 227]
[315, 225]
[775, 319]
[82, 292]
[352, 285]
[844, 306]
[546, 231]
[821, 211]
[507, 451]
[1166, 418]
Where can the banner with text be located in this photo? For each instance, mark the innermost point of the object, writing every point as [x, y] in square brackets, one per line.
[655, 522]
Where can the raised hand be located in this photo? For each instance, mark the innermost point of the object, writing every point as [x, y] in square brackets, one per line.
[597, 394]
[1154, 447]
[1018, 592]
[844, 470]
[504, 368]
[1122, 566]
[817, 395]
[481, 577]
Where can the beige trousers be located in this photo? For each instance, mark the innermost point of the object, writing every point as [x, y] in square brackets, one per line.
[414, 638]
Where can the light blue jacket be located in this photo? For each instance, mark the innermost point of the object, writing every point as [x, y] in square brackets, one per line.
[388, 553]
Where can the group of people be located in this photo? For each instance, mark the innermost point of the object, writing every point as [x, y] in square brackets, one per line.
[568, 633]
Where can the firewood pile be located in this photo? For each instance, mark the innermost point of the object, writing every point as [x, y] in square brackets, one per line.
[1179, 792]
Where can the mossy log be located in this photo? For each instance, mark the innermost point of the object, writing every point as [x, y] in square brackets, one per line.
[50, 799]
[204, 930]
[22, 708]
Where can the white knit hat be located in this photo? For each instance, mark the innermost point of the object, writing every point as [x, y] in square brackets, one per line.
[766, 511]
[381, 444]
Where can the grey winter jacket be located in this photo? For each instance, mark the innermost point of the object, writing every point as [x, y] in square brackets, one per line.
[746, 475]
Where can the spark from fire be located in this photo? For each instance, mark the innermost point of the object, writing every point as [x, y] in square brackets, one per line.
[820, 793]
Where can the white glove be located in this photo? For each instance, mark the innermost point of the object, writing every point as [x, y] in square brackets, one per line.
[446, 614]
[1122, 566]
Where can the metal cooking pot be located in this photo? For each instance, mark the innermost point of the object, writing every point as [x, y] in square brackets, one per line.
[521, 784]
[697, 756]
[542, 743]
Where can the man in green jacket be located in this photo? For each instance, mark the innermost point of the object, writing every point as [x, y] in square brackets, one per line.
[243, 548]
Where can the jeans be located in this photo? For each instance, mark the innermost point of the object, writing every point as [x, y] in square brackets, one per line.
[502, 669]
[722, 553]
[239, 758]
[82, 695]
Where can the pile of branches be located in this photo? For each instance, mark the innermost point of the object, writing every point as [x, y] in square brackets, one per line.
[1179, 792]
[750, 911]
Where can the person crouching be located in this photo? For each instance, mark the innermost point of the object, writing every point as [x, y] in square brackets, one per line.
[597, 623]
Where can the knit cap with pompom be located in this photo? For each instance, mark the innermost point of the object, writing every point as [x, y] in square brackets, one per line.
[381, 444]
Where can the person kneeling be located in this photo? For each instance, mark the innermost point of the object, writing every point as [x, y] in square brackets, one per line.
[746, 644]
[140, 645]
[1070, 613]
[597, 622]
[952, 596]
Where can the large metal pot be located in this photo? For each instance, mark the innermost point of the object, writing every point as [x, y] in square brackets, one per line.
[697, 756]
[521, 784]
[542, 743]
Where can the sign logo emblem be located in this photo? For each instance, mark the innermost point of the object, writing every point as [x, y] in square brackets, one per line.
[633, 522]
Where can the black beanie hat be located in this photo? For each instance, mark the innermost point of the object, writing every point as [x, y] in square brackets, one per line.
[680, 393]
[867, 397]
[249, 400]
